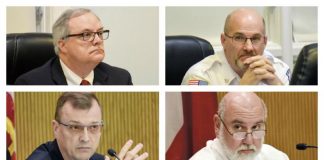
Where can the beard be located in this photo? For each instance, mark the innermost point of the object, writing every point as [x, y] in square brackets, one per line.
[239, 63]
[235, 154]
[243, 67]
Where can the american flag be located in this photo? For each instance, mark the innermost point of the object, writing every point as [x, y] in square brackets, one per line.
[197, 82]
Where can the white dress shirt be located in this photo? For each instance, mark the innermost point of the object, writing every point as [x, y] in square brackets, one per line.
[74, 79]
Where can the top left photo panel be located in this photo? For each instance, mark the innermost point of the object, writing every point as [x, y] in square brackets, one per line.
[82, 46]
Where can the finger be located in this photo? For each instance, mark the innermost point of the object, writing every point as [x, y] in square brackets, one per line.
[137, 148]
[142, 156]
[133, 153]
[252, 59]
[260, 63]
[129, 156]
[270, 68]
[125, 149]
[259, 71]
[267, 76]
[107, 158]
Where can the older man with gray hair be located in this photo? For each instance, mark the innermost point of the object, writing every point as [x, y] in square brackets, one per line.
[78, 37]
[240, 127]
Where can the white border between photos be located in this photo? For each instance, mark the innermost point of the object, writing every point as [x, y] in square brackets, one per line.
[161, 88]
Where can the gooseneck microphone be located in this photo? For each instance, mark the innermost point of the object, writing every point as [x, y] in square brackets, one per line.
[112, 153]
[303, 146]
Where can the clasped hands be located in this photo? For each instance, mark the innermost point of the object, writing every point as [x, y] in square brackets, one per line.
[259, 68]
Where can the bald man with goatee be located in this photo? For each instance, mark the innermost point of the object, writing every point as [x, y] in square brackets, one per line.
[243, 60]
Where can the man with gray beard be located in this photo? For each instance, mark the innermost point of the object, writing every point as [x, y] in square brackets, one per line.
[240, 127]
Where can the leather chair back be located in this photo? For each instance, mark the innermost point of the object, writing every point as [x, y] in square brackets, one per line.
[181, 53]
[26, 51]
[305, 70]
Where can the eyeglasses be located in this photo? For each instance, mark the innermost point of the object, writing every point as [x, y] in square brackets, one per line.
[240, 135]
[90, 36]
[77, 129]
[241, 39]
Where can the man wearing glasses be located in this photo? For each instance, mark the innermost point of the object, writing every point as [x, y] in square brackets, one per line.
[243, 60]
[78, 37]
[77, 130]
[240, 127]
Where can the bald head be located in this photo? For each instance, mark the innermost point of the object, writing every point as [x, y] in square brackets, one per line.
[249, 18]
[245, 102]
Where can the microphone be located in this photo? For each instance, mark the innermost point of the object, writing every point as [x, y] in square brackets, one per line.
[303, 146]
[112, 153]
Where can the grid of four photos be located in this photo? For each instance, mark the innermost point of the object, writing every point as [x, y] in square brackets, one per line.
[220, 83]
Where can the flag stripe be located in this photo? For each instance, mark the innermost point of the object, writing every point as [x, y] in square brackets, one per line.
[198, 111]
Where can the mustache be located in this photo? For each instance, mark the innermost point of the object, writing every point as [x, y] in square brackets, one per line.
[247, 147]
[250, 54]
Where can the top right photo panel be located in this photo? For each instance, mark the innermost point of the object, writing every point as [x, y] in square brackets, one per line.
[241, 45]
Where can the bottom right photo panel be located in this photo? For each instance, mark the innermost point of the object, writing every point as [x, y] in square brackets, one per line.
[241, 125]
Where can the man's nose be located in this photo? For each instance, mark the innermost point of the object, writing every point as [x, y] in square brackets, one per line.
[97, 39]
[85, 135]
[248, 139]
[248, 45]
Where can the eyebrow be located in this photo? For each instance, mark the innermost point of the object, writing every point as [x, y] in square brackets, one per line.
[242, 34]
[88, 30]
[79, 123]
[241, 122]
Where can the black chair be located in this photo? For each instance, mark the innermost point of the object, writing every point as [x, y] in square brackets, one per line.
[305, 70]
[26, 51]
[181, 53]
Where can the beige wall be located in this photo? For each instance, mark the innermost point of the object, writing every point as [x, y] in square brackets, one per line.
[21, 16]
[292, 119]
[126, 115]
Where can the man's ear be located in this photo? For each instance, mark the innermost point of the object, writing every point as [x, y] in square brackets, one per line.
[61, 46]
[222, 38]
[216, 124]
[55, 127]
[265, 40]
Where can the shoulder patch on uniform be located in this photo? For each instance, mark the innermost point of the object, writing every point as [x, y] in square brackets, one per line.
[197, 82]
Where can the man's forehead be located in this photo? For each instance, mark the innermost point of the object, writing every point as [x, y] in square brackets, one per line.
[87, 21]
[69, 110]
[249, 21]
[243, 103]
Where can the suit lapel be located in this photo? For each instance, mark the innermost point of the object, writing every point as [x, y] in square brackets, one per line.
[57, 72]
[100, 77]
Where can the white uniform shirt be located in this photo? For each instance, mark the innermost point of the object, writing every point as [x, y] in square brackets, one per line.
[214, 151]
[215, 70]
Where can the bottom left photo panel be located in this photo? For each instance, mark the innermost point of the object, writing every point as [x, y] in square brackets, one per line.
[82, 125]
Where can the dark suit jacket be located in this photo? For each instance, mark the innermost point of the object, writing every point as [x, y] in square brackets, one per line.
[51, 73]
[51, 151]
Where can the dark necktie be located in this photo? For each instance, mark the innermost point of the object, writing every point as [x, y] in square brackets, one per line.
[85, 82]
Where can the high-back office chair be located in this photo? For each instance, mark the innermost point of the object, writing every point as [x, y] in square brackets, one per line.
[305, 70]
[181, 53]
[26, 51]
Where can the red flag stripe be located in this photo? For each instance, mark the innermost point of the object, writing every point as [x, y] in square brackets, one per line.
[198, 111]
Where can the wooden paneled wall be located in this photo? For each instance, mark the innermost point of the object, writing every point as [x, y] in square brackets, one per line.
[127, 115]
[292, 119]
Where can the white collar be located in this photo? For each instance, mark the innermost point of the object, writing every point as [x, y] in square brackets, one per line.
[74, 79]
